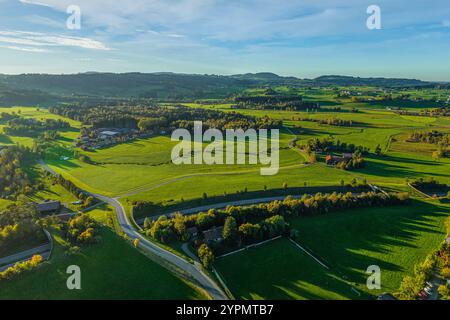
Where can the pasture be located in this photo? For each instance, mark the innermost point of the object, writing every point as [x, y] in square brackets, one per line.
[394, 238]
[279, 270]
[111, 269]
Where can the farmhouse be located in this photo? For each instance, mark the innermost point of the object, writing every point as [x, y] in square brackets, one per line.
[48, 207]
[192, 232]
[213, 235]
[334, 160]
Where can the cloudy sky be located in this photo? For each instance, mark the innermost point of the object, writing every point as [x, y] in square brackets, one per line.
[303, 38]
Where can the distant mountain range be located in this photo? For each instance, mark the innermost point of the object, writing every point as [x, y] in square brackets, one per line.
[30, 88]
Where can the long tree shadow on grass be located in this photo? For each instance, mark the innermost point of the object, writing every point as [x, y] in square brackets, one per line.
[388, 237]
[5, 139]
[279, 270]
[384, 169]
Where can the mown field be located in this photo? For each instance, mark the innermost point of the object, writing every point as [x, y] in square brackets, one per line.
[111, 269]
[279, 270]
[394, 238]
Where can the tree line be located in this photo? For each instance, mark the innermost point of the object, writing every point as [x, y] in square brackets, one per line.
[279, 102]
[329, 144]
[169, 229]
[155, 118]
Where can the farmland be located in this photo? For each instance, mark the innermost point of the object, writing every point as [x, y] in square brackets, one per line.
[138, 170]
[111, 269]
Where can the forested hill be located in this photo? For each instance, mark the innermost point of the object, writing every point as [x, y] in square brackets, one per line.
[166, 86]
[377, 82]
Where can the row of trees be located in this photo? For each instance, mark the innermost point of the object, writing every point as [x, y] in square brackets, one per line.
[332, 121]
[21, 267]
[155, 118]
[412, 287]
[278, 102]
[72, 188]
[169, 229]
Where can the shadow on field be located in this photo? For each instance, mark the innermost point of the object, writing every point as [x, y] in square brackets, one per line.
[389, 168]
[5, 139]
[353, 240]
[280, 270]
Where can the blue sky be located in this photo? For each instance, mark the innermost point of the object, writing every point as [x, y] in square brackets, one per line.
[304, 38]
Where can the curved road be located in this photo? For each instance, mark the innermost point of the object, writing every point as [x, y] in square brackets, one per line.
[194, 270]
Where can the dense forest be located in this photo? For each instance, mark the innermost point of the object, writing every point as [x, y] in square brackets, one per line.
[275, 102]
[32, 89]
[161, 118]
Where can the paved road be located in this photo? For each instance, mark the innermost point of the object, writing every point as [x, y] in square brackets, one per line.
[193, 270]
[25, 255]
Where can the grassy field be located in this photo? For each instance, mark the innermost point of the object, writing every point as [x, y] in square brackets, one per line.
[111, 269]
[66, 136]
[394, 238]
[280, 270]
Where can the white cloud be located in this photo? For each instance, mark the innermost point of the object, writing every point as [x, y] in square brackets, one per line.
[37, 3]
[42, 39]
[26, 49]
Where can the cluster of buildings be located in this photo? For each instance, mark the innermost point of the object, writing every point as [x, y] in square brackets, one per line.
[93, 139]
[334, 160]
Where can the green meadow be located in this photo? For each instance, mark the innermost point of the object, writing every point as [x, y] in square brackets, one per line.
[111, 269]
[279, 270]
[394, 238]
